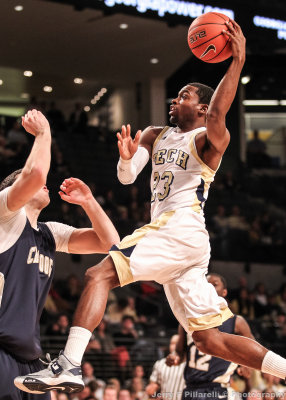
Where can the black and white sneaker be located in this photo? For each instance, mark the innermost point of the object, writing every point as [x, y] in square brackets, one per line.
[60, 374]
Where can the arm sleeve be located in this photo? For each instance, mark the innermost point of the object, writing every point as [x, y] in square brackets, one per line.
[61, 233]
[128, 170]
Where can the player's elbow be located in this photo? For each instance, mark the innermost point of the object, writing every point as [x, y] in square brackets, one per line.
[35, 174]
[109, 242]
[126, 181]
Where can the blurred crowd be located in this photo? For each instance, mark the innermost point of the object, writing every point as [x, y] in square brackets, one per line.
[246, 220]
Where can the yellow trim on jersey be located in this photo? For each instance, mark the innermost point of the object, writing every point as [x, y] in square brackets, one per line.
[207, 174]
[122, 265]
[159, 137]
[209, 321]
[121, 261]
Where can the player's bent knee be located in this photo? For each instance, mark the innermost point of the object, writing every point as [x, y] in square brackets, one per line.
[103, 273]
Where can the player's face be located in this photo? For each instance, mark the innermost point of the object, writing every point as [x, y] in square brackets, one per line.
[185, 106]
[218, 285]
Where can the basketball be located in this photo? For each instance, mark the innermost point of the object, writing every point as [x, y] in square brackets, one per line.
[206, 40]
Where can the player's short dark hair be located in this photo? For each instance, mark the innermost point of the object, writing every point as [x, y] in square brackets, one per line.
[223, 280]
[204, 92]
[10, 179]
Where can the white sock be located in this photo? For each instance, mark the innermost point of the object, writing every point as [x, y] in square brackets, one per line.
[77, 341]
[273, 364]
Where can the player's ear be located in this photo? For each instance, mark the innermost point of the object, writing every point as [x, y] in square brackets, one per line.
[224, 293]
[203, 108]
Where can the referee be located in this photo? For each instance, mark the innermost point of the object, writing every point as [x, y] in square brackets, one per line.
[167, 382]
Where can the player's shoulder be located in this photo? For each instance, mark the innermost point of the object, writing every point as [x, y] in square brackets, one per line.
[150, 134]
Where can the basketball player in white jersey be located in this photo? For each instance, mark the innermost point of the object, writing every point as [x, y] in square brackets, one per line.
[174, 248]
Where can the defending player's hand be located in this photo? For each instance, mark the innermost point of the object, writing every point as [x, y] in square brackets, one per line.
[126, 145]
[75, 191]
[237, 39]
[36, 123]
[173, 359]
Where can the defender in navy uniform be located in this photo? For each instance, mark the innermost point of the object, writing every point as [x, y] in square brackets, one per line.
[27, 254]
[208, 377]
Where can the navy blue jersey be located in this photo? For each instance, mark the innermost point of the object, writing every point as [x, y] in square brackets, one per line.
[203, 368]
[27, 268]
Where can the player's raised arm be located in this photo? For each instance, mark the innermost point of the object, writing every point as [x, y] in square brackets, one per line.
[34, 174]
[225, 92]
[134, 154]
[102, 235]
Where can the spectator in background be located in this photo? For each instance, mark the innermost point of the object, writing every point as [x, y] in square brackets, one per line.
[110, 392]
[260, 300]
[103, 337]
[256, 152]
[60, 327]
[78, 119]
[124, 225]
[127, 335]
[88, 377]
[124, 394]
[138, 373]
[55, 118]
[243, 304]
[236, 220]
[117, 310]
[17, 141]
[219, 231]
[71, 290]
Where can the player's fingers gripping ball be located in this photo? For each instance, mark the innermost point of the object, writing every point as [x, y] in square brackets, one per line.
[206, 38]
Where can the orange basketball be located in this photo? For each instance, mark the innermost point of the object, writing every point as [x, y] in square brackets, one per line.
[206, 40]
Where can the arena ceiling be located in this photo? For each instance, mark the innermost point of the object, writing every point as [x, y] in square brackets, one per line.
[61, 40]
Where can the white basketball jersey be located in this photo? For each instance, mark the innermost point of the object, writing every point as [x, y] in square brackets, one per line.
[179, 177]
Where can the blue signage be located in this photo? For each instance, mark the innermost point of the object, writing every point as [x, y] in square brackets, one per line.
[175, 7]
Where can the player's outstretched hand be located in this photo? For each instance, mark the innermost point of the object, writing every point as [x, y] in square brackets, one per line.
[35, 123]
[75, 191]
[126, 145]
[172, 359]
[237, 39]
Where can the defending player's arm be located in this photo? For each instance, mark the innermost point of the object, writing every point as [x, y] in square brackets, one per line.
[217, 134]
[102, 235]
[180, 353]
[242, 328]
[134, 153]
[34, 174]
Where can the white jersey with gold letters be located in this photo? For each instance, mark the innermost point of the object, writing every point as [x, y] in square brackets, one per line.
[174, 249]
[179, 177]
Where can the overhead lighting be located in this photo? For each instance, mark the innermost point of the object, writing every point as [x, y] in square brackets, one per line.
[25, 95]
[19, 7]
[47, 89]
[282, 102]
[97, 97]
[154, 61]
[28, 73]
[86, 108]
[78, 81]
[103, 90]
[260, 102]
[93, 101]
[1, 82]
[123, 26]
[245, 79]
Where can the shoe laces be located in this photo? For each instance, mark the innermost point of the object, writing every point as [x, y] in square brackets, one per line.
[49, 360]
